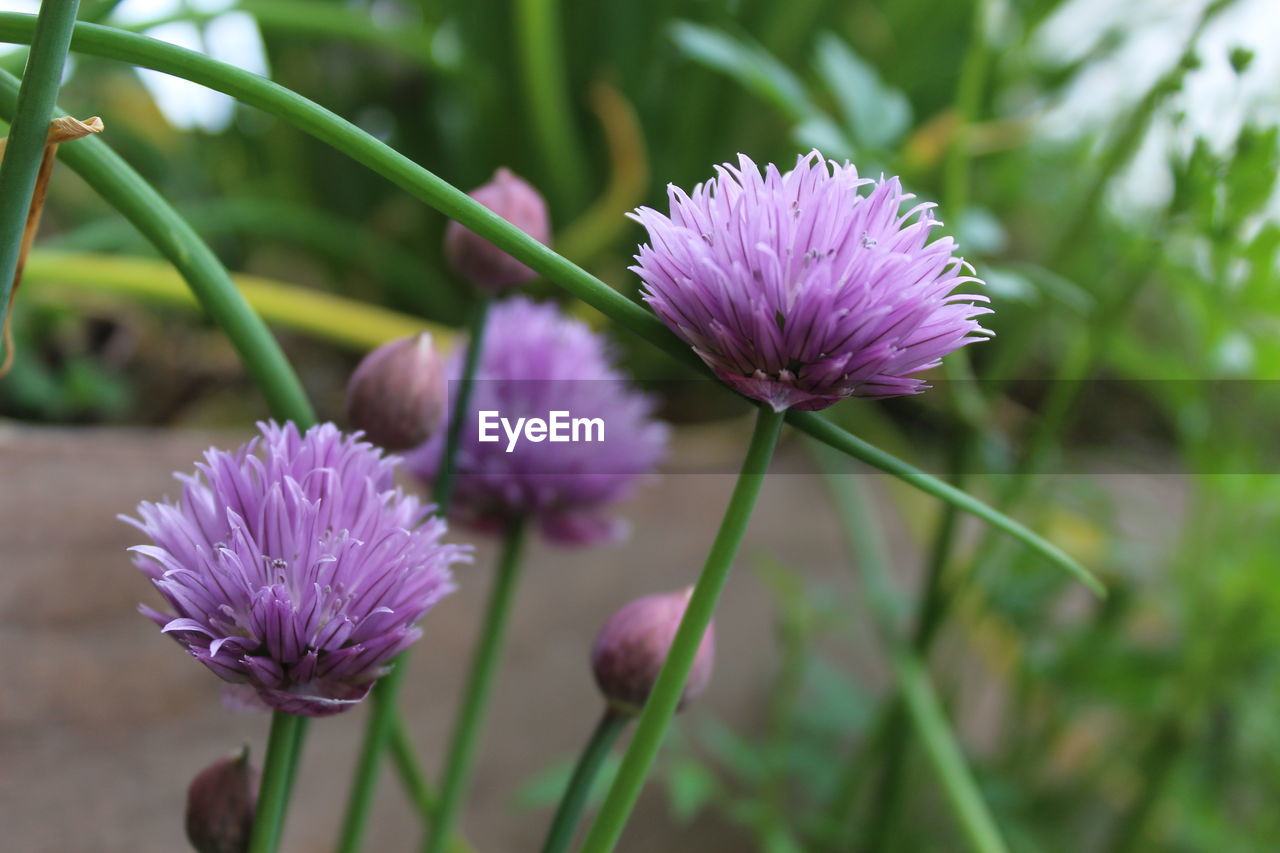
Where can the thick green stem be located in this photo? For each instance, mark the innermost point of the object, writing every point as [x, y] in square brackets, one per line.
[383, 716]
[28, 133]
[480, 681]
[663, 701]
[584, 776]
[277, 771]
[346, 137]
[546, 85]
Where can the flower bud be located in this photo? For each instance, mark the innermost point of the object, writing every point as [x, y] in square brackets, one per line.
[479, 261]
[220, 805]
[631, 647]
[398, 393]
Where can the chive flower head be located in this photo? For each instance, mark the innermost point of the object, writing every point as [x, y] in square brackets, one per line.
[797, 289]
[295, 566]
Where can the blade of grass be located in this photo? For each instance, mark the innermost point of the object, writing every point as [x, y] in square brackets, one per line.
[342, 321]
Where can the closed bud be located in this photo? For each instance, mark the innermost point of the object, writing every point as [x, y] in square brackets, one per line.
[220, 805]
[398, 393]
[479, 261]
[631, 647]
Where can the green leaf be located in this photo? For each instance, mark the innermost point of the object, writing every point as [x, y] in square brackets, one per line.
[753, 67]
[877, 115]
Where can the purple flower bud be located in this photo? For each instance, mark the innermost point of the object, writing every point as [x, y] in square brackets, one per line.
[397, 395]
[631, 647]
[479, 261]
[220, 805]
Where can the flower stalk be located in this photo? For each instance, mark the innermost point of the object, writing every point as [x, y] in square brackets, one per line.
[283, 745]
[475, 702]
[665, 698]
[383, 718]
[26, 150]
[584, 776]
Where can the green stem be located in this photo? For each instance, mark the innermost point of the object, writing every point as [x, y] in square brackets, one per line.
[665, 697]
[346, 137]
[447, 475]
[30, 128]
[411, 775]
[475, 702]
[547, 96]
[584, 775]
[923, 708]
[277, 771]
[851, 445]
[120, 186]
[384, 715]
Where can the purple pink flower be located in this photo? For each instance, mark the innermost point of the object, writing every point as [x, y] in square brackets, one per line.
[535, 361]
[294, 565]
[799, 290]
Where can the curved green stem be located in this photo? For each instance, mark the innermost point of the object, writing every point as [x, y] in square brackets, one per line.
[113, 179]
[475, 701]
[665, 697]
[346, 137]
[384, 716]
[851, 445]
[585, 771]
[547, 95]
[27, 136]
[283, 743]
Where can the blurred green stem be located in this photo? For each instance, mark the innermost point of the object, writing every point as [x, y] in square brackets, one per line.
[346, 137]
[446, 476]
[382, 719]
[923, 708]
[475, 703]
[602, 739]
[28, 133]
[547, 98]
[665, 697]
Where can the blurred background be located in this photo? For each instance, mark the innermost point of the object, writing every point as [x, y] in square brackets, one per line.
[1108, 168]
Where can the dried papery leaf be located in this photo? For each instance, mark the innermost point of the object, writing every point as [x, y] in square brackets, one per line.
[61, 129]
[67, 129]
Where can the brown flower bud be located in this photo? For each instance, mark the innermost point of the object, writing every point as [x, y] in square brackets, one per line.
[481, 262]
[398, 394]
[631, 647]
[220, 805]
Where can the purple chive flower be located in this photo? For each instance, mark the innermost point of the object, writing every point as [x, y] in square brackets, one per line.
[536, 361]
[798, 290]
[294, 566]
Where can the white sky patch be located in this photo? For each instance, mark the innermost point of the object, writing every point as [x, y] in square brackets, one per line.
[232, 38]
[1215, 101]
